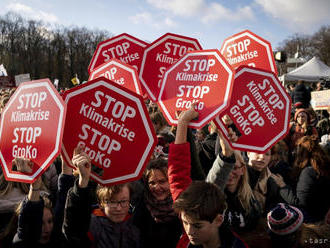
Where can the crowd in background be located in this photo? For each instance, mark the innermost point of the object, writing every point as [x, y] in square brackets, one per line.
[195, 192]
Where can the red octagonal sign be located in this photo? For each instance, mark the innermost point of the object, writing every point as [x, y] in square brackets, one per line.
[160, 55]
[247, 48]
[113, 125]
[201, 77]
[260, 109]
[32, 127]
[124, 47]
[120, 73]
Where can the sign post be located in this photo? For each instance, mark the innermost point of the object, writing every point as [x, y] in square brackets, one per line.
[160, 55]
[120, 73]
[259, 108]
[113, 125]
[32, 127]
[124, 47]
[247, 48]
[201, 77]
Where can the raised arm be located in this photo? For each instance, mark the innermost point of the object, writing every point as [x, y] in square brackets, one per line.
[31, 212]
[179, 155]
[78, 204]
[224, 162]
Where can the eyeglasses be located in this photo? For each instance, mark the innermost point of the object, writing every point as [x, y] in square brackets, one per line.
[115, 204]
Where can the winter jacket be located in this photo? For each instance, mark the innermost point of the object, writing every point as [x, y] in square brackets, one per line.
[296, 132]
[165, 235]
[264, 188]
[206, 151]
[228, 240]
[235, 217]
[179, 179]
[311, 193]
[30, 219]
[84, 228]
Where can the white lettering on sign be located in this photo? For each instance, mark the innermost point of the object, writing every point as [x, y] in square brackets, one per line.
[110, 74]
[196, 77]
[104, 143]
[243, 57]
[176, 49]
[31, 100]
[119, 110]
[245, 114]
[96, 156]
[108, 123]
[186, 104]
[24, 152]
[162, 69]
[238, 47]
[165, 59]
[268, 100]
[129, 58]
[199, 64]
[116, 51]
[26, 134]
[193, 91]
[39, 115]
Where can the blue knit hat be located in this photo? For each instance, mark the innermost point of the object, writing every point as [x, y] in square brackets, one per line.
[284, 219]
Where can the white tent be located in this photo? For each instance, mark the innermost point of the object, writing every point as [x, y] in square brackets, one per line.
[312, 71]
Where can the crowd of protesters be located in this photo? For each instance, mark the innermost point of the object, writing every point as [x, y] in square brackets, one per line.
[195, 192]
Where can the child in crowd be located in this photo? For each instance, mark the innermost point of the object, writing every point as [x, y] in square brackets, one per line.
[200, 205]
[109, 225]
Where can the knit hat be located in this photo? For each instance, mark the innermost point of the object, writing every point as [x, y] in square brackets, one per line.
[302, 110]
[284, 219]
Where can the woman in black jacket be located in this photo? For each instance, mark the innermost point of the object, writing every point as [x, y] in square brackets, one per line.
[154, 214]
[311, 175]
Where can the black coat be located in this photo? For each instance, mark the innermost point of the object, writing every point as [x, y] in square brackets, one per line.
[84, 229]
[30, 219]
[312, 194]
[153, 234]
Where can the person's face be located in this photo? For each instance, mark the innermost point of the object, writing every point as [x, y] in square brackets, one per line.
[117, 208]
[157, 126]
[47, 226]
[301, 118]
[200, 232]
[236, 174]
[259, 161]
[158, 185]
[200, 135]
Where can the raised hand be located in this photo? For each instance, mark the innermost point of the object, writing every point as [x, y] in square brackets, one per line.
[83, 164]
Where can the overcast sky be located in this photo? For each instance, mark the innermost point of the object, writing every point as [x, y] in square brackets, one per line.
[208, 21]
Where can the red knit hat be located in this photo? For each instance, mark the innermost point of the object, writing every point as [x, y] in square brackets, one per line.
[298, 111]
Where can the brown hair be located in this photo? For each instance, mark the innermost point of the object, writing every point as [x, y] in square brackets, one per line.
[202, 201]
[105, 193]
[7, 186]
[11, 228]
[309, 152]
[156, 164]
[157, 117]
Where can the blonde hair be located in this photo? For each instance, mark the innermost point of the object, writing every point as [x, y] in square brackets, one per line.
[7, 186]
[106, 193]
[244, 189]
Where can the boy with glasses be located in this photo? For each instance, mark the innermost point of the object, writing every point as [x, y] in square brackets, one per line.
[110, 224]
